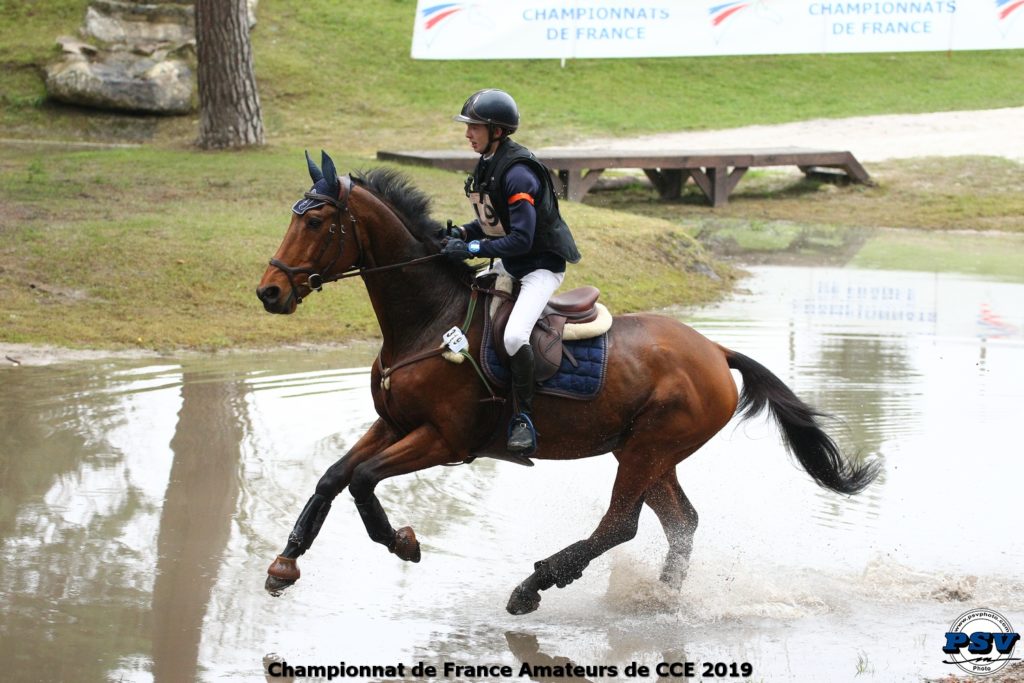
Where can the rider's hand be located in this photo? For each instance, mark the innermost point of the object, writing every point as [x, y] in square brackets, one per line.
[457, 250]
[451, 230]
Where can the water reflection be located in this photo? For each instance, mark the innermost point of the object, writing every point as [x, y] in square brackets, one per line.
[195, 522]
[142, 502]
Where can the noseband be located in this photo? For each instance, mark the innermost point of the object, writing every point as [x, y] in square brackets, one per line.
[314, 279]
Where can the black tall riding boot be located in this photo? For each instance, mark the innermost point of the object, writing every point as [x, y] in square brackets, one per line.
[522, 438]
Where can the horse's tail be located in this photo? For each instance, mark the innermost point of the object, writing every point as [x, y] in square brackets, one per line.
[814, 449]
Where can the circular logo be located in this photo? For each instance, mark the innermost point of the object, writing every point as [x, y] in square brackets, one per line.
[980, 641]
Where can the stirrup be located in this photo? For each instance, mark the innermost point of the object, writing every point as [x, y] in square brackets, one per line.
[522, 420]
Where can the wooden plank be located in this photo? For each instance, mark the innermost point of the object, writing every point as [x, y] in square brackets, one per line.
[447, 160]
[726, 183]
[716, 172]
[847, 165]
[668, 182]
[704, 182]
[579, 185]
[584, 159]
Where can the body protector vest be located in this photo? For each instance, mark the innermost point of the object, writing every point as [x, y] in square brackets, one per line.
[486, 192]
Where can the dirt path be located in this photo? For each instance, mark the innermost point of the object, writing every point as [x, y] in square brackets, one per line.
[994, 132]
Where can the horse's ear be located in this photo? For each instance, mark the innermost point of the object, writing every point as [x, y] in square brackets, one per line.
[330, 174]
[314, 172]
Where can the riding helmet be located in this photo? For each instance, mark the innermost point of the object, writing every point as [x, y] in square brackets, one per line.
[491, 107]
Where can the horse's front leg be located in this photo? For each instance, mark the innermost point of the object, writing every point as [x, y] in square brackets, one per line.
[284, 571]
[422, 448]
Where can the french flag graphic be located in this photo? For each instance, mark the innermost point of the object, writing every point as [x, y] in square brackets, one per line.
[434, 14]
[1007, 7]
[720, 13]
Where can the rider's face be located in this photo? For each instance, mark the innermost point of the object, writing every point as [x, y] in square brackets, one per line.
[478, 137]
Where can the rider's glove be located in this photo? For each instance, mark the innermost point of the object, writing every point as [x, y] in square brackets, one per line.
[456, 250]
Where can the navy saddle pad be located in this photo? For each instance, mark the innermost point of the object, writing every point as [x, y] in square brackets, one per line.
[582, 382]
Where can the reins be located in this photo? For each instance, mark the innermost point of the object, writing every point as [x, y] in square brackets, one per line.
[378, 269]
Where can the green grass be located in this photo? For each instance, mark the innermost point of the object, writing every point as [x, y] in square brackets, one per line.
[160, 245]
[997, 255]
[170, 255]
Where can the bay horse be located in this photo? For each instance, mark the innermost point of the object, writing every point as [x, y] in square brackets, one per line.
[667, 390]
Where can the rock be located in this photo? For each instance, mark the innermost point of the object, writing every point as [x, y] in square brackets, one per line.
[136, 24]
[121, 80]
[74, 46]
[134, 67]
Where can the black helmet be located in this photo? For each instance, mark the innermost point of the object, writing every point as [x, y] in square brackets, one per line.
[491, 107]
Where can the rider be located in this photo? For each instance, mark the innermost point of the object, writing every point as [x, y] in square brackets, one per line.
[517, 220]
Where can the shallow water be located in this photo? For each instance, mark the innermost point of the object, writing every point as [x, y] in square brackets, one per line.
[142, 502]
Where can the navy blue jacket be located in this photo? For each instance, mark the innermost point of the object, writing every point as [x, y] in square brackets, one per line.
[535, 234]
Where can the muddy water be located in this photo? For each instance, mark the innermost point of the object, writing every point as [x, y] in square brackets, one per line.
[142, 501]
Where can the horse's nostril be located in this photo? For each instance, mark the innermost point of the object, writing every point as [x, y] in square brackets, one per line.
[268, 294]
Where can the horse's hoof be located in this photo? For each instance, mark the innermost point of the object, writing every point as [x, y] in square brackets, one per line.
[284, 568]
[523, 601]
[283, 572]
[276, 586]
[673, 577]
[406, 545]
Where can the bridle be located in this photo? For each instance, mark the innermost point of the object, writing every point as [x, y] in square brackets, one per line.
[315, 279]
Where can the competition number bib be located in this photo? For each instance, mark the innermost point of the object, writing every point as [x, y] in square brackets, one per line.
[485, 214]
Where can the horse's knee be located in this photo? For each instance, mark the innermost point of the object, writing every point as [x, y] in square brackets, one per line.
[333, 480]
[626, 532]
[328, 487]
[624, 528]
[364, 481]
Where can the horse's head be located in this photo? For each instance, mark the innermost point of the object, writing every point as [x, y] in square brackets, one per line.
[320, 243]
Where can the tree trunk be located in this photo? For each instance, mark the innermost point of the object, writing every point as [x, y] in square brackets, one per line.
[228, 100]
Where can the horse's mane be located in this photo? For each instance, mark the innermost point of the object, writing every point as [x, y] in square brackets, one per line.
[410, 203]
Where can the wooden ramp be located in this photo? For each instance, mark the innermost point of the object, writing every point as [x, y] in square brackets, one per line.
[715, 172]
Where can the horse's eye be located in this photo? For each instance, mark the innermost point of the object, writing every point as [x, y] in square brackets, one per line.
[314, 223]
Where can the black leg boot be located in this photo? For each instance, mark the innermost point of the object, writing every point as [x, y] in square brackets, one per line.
[522, 439]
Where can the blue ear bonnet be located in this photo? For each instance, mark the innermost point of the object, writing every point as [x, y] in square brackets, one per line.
[325, 182]
[321, 186]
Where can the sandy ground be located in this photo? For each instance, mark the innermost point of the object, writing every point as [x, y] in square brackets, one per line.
[996, 132]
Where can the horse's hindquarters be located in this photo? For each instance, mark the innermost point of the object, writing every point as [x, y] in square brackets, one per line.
[665, 382]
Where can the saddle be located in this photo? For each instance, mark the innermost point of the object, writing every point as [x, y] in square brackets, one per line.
[568, 316]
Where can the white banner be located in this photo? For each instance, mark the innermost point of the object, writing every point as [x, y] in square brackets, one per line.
[559, 29]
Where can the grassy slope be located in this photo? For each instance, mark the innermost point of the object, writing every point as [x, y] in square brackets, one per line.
[161, 246]
[169, 256]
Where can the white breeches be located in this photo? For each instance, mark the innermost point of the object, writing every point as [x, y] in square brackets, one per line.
[536, 288]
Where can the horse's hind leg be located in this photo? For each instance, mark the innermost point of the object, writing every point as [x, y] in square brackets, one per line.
[679, 520]
[618, 525]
